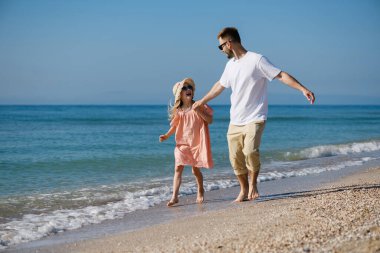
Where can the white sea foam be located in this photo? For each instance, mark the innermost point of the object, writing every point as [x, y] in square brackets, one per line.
[331, 150]
[273, 175]
[32, 226]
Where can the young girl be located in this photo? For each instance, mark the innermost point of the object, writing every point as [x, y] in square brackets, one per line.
[191, 135]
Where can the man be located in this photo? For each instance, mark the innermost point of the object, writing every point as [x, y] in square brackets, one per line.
[247, 74]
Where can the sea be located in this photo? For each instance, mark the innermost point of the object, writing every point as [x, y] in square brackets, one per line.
[66, 167]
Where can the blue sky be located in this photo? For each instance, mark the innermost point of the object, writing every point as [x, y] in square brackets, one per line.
[124, 52]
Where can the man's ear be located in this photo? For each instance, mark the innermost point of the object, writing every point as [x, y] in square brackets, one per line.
[229, 44]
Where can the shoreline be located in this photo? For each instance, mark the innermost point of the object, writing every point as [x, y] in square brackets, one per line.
[214, 225]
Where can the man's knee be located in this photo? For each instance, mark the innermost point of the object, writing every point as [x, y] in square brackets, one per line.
[240, 171]
[238, 164]
[252, 153]
[252, 158]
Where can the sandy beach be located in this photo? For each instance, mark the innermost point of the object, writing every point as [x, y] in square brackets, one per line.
[343, 216]
[102, 102]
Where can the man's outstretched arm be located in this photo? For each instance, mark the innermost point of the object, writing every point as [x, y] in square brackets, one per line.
[213, 93]
[292, 82]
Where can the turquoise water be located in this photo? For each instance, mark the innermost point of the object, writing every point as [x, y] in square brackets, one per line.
[60, 147]
[107, 160]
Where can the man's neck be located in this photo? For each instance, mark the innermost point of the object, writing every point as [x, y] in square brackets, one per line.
[239, 52]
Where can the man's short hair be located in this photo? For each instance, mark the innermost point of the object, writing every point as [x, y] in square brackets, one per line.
[230, 32]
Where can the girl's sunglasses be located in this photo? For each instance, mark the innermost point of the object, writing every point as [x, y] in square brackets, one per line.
[189, 87]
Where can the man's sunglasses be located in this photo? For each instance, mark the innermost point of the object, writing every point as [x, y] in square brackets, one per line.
[222, 45]
[189, 87]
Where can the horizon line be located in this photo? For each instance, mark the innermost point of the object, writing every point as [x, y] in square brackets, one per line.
[306, 104]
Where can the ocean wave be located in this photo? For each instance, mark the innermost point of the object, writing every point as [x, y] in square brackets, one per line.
[332, 150]
[35, 226]
[274, 175]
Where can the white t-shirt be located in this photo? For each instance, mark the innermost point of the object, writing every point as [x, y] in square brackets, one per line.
[248, 78]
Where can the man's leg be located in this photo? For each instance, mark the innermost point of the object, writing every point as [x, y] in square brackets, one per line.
[253, 192]
[243, 181]
[252, 142]
[235, 140]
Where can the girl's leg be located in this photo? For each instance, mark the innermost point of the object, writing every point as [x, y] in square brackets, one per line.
[199, 177]
[176, 184]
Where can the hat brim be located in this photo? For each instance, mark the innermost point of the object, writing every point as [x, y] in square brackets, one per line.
[177, 88]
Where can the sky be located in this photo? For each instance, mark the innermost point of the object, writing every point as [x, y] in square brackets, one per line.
[132, 52]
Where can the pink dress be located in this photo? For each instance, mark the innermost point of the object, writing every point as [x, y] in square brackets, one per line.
[192, 139]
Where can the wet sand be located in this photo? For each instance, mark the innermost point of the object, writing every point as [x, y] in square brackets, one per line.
[342, 216]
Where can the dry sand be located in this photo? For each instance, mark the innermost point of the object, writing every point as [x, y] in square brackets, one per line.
[339, 217]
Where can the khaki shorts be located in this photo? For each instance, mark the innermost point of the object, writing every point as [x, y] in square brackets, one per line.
[243, 145]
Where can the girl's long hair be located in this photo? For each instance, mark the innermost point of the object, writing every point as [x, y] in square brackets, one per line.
[172, 109]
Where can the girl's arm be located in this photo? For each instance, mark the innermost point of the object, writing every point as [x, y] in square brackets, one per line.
[171, 131]
[204, 115]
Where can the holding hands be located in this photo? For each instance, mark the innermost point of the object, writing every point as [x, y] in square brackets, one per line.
[197, 105]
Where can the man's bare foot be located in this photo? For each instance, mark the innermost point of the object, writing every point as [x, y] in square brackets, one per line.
[172, 202]
[253, 192]
[242, 197]
[200, 196]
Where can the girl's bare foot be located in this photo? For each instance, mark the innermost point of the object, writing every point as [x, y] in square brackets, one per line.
[253, 192]
[200, 196]
[242, 197]
[172, 202]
